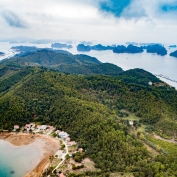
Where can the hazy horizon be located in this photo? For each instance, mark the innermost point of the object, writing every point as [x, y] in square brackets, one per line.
[103, 21]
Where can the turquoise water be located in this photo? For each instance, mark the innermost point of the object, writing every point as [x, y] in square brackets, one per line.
[18, 159]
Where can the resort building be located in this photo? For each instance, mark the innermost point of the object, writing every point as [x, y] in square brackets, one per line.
[63, 135]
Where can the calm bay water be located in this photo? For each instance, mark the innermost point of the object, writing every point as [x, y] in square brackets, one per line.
[153, 63]
[18, 159]
[165, 65]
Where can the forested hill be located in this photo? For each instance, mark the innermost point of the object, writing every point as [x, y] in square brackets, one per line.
[94, 110]
[64, 62]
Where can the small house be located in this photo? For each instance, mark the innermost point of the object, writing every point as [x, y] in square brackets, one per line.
[39, 127]
[57, 132]
[61, 175]
[43, 127]
[68, 139]
[150, 83]
[80, 149]
[16, 127]
[71, 143]
[33, 125]
[52, 128]
[131, 122]
[27, 126]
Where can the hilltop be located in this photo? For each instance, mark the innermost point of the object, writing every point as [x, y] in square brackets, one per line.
[63, 61]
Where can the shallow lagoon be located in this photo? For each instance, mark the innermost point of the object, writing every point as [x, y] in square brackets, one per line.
[19, 159]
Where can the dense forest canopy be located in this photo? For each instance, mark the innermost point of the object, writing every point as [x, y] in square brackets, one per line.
[62, 61]
[93, 110]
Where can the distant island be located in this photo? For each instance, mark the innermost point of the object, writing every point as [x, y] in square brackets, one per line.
[59, 45]
[99, 47]
[150, 48]
[133, 43]
[2, 53]
[174, 54]
[156, 48]
[86, 43]
[83, 48]
[25, 50]
[172, 46]
[129, 49]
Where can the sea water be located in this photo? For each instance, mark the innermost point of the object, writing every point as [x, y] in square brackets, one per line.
[16, 161]
[156, 64]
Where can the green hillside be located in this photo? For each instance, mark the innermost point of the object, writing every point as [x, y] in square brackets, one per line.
[64, 62]
[93, 110]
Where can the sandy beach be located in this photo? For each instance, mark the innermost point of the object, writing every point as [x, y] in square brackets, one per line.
[49, 146]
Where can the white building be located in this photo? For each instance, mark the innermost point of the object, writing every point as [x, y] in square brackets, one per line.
[63, 135]
[131, 122]
[43, 127]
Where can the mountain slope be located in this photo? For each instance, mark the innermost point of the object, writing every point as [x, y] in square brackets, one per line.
[76, 64]
[50, 97]
[89, 108]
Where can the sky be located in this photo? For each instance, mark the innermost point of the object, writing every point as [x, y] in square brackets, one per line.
[106, 21]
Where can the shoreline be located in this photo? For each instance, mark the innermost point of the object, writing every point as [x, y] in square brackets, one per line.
[48, 145]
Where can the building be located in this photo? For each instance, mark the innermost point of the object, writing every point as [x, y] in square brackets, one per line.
[28, 126]
[43, 127]
[39, 127]
[68, 139]
[71, 143]
[150, 83]
[57, 132]
[16, 127]
[52, 128]
[63, 135]
[61, 175]
[32, 127]
[80, 149]
[131, 122]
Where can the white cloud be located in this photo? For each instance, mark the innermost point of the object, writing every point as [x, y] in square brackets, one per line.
[77, 19]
